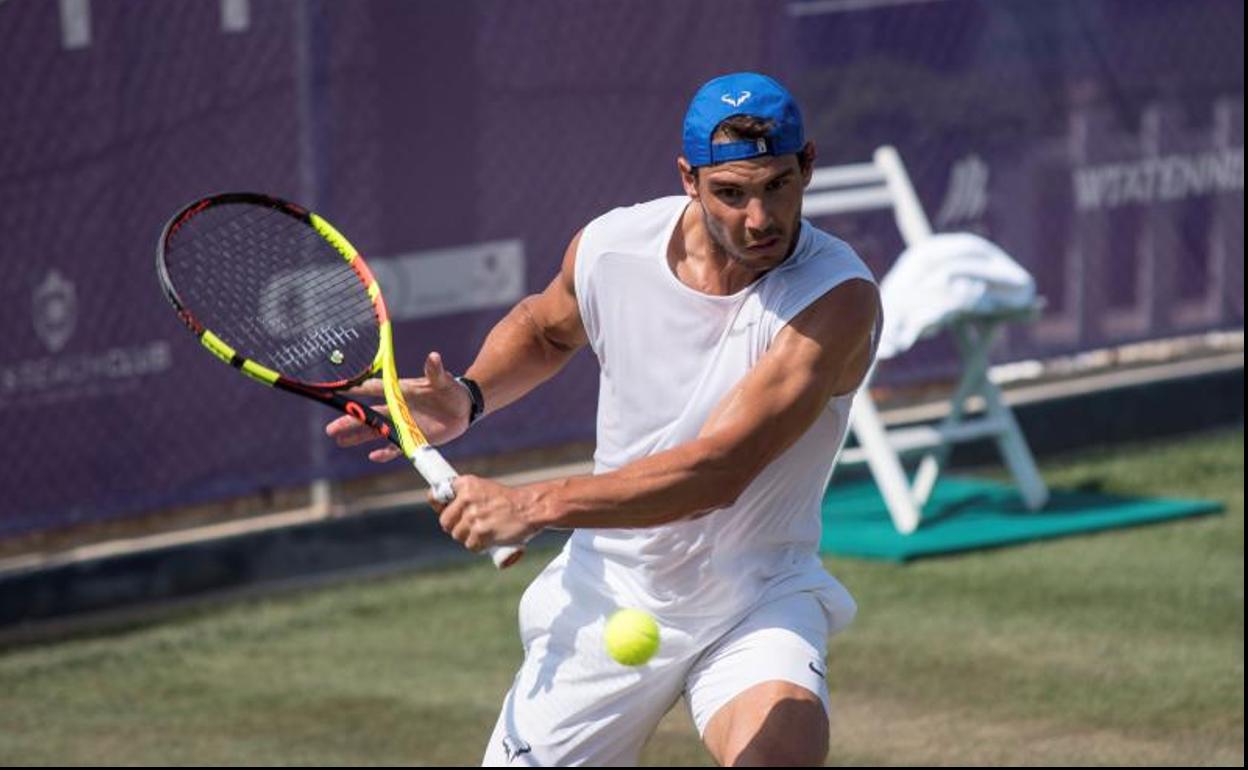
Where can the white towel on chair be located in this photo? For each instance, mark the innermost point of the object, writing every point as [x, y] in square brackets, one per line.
[946, 277]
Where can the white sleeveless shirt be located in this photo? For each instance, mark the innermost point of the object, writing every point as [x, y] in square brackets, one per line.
[668, 354]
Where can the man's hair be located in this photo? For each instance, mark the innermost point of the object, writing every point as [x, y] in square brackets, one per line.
[742, 128]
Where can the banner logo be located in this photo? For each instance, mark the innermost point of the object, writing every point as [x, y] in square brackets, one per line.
[1160, 179]
[55, 311]
[60, 374]
[966, 198]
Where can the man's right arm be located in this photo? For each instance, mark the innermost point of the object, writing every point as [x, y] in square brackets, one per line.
[532, 342]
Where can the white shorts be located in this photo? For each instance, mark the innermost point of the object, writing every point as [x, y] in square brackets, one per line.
[571, 704]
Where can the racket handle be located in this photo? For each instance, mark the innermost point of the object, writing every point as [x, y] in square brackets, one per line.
[441, 476]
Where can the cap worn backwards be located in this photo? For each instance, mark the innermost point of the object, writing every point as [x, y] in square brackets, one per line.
[741, 93]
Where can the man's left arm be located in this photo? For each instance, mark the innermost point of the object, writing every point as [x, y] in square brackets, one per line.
[823, 352]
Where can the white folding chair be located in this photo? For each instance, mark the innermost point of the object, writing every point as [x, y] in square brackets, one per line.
[884, 184]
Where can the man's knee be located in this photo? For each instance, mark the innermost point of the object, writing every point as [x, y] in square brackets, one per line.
[793, 734]
[773, 725]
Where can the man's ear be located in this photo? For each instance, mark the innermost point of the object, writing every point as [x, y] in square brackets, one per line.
[806, 160]
[688, 177]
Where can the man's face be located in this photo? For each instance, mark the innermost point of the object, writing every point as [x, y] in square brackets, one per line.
[752, 208]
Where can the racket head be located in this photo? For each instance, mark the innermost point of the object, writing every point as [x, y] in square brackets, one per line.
[277, 292]
[274, 290]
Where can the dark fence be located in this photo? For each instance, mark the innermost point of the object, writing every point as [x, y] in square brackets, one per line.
[460, 145]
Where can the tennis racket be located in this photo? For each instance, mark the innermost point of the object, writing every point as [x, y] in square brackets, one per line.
[276, 292]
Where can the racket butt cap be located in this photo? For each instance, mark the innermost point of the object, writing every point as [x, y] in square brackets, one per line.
[506, 555]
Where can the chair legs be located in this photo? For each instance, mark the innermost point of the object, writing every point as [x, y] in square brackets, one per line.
[882, 449]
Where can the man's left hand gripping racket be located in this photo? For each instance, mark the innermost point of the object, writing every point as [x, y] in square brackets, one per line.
[276, 292]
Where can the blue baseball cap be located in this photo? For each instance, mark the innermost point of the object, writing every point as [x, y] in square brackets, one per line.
[741, 93]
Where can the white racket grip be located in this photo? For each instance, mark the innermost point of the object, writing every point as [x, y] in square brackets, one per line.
[438, 472]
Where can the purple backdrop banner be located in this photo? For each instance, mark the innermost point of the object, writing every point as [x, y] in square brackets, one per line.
[461, 145]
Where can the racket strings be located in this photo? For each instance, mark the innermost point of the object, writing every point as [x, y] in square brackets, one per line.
[307, 286]
[274, 289]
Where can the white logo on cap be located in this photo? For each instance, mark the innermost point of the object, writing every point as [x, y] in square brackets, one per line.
[727, 99]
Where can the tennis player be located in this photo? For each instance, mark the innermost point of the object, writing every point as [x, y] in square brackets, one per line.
[731, 335]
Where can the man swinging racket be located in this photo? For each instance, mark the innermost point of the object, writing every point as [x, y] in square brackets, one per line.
[732, 336]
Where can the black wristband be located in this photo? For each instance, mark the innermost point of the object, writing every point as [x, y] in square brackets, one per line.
[474, 394]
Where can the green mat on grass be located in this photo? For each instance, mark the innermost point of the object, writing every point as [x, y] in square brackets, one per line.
[967, 514]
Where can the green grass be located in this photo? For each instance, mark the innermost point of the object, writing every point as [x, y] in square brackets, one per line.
[1124, 647]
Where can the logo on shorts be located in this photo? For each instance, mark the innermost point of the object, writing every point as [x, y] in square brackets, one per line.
[514, 747]
[822, 674]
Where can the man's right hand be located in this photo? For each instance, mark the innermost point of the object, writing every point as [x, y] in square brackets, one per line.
[438, 403]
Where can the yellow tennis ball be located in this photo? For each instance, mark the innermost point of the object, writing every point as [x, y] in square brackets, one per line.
[632, 637]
